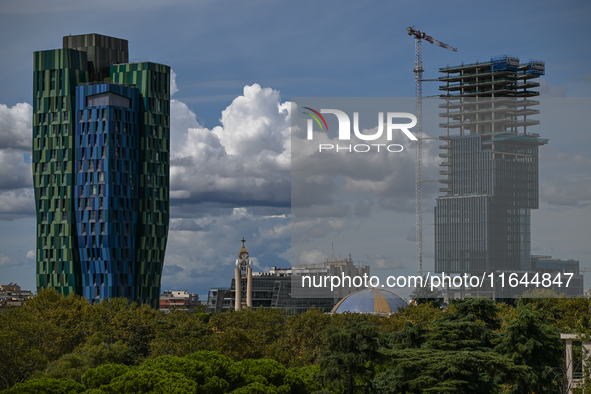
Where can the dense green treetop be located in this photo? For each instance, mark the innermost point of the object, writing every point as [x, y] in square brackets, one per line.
[56, 344]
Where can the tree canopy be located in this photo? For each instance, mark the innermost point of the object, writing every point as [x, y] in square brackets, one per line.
[56, 344]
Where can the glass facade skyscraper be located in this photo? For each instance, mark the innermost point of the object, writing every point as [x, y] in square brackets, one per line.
[101, 137]
[490, 167]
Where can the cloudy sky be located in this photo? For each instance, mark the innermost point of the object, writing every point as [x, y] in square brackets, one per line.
[237, 66]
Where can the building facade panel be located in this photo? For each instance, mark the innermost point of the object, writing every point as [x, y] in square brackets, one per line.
[153, 83]
[106, 159]
[102, 52]
[462, 240]
[56, 73]
[101, 172]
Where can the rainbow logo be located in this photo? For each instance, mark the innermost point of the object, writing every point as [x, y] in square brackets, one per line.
[316, 119]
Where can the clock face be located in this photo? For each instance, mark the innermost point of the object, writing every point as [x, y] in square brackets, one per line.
[243, 256]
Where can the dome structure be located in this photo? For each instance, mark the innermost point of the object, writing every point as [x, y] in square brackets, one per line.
[375, 301]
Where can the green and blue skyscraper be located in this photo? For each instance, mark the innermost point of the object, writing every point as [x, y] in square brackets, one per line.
[101, 159]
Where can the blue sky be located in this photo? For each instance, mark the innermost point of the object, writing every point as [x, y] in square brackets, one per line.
[237, 63]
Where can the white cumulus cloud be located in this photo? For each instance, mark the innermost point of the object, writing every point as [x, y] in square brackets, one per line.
[17, 203]
[548, 90]
[313, 256]
[173, 86]
[15, 173]
[243, 162]
[15, 126]
[8, 261]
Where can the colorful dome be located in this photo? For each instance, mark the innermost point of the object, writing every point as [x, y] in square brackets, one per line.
[372, 300]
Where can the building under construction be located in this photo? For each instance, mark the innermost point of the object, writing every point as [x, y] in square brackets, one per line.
[489, 166]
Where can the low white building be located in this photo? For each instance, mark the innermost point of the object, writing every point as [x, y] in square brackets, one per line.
[179, 299]
[12, 295]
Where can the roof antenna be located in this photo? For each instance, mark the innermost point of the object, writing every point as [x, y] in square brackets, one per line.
[332, 251]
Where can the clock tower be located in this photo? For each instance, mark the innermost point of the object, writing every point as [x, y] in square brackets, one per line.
[242, 271]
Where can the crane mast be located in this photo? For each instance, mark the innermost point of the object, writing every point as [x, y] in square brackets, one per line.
[418, 70]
